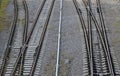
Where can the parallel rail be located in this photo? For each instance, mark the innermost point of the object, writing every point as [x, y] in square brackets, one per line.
[102, 34]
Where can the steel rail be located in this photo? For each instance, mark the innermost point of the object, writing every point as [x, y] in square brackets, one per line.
[109, 62]
[59, 39]
[7, 51]
[24, 34]
[90, 36]
[84, 32]
[103, 28]
[26, 19]
[38, 49]
[24, 47]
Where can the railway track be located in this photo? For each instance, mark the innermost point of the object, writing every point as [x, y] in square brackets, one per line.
[99, 60]
[23, 53]
[99, 65]
[104, 31]
[16, 39]
[34, 41]
[105, 46]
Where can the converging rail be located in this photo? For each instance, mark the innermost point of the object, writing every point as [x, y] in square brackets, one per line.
[23, 49]
[38, 49]
[103, 43]
[30, 53]
[15, 43]
[22, 56]
[102, 36]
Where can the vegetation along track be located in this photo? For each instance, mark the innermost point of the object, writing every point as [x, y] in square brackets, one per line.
[15, 41]
[102, 37]
[36, 36]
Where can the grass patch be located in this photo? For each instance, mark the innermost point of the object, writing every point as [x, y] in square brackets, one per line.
[3, 6]
[117, 41]
[64, 68]
[117, 31]
[50, 66]
[64, 65]
[21, 21]
[117, 24]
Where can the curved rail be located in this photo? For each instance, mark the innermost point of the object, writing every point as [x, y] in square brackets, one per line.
[103, 43]
[84, 31]
[26, 19]
[7, 51]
